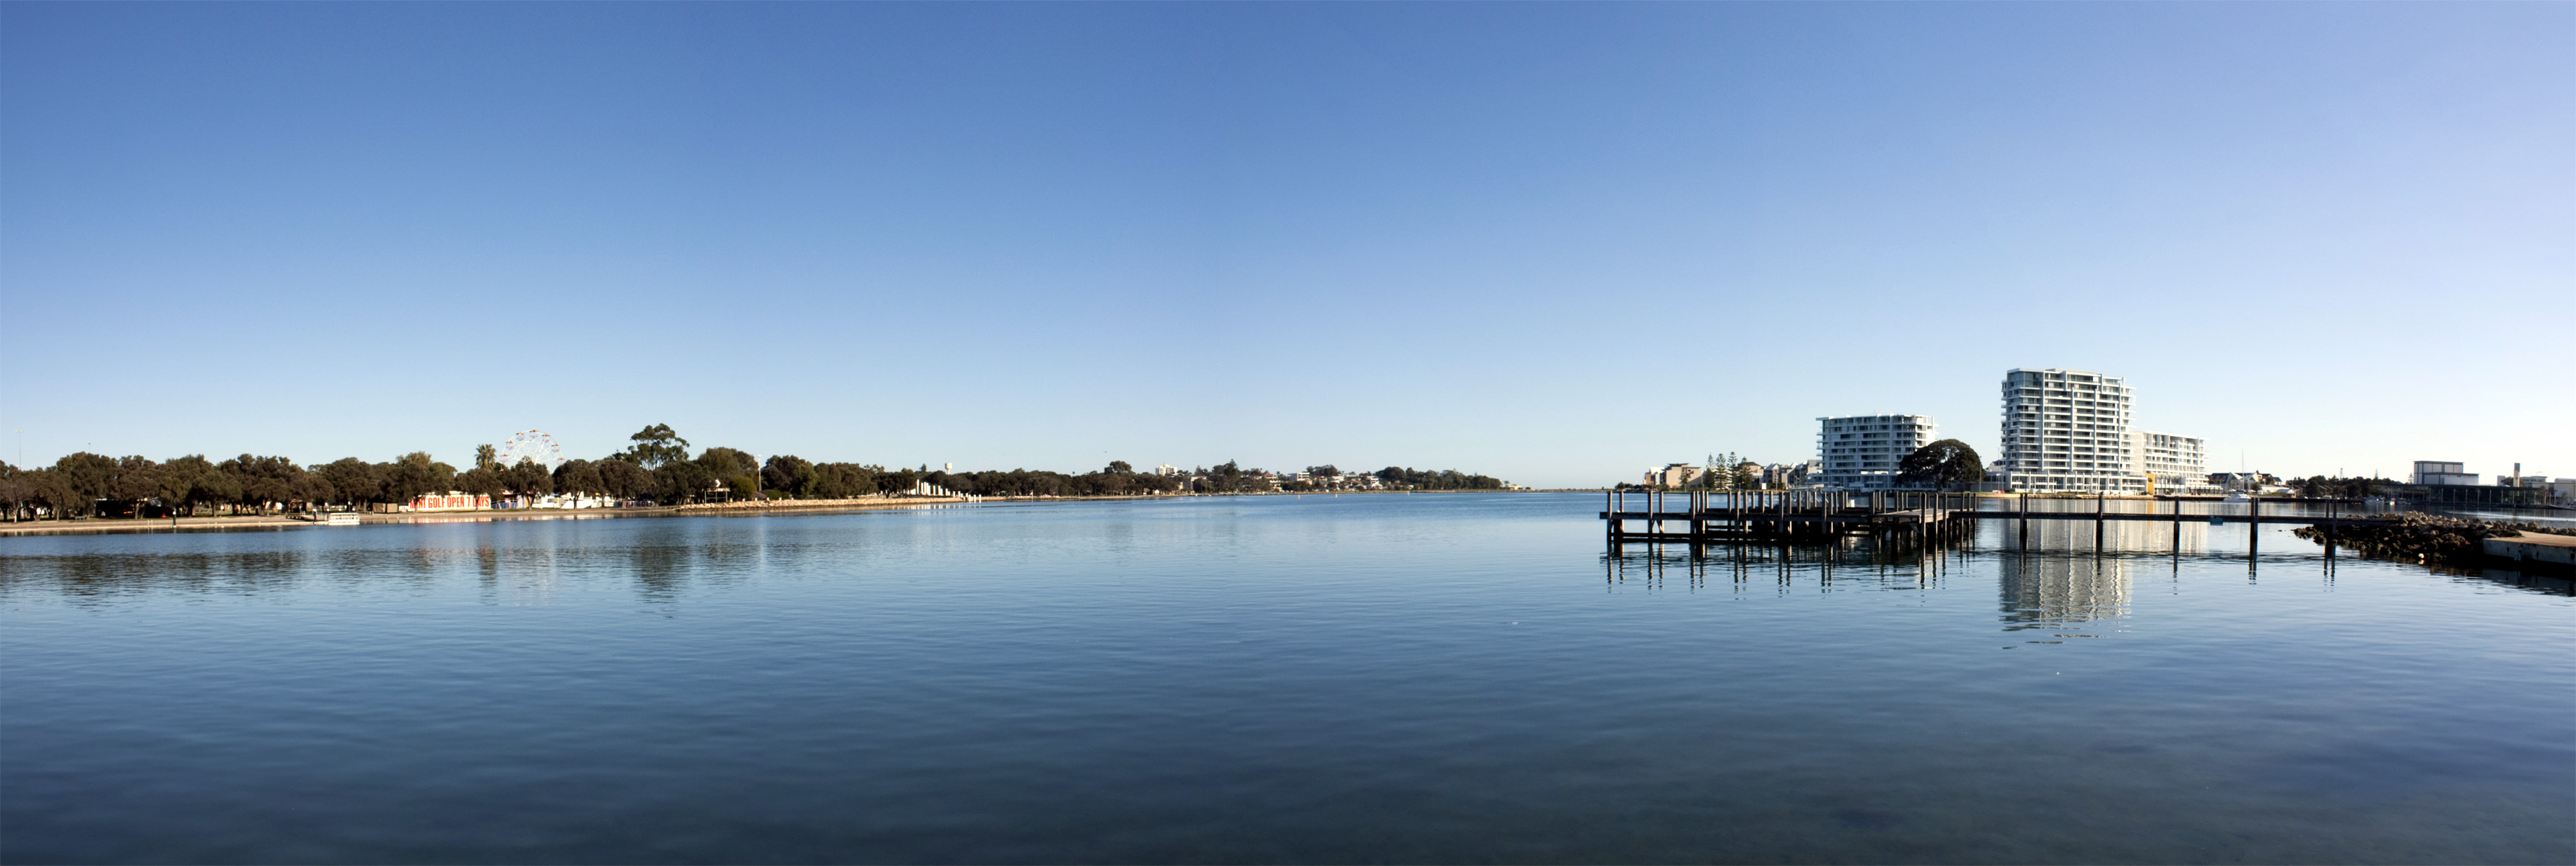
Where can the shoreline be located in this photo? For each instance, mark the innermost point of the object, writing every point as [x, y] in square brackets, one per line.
[110, 526]
[114, 526]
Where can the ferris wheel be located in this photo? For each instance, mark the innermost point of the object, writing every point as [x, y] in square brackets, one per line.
[534, 445]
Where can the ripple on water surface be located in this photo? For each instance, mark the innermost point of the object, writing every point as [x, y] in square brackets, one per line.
[1415, 678]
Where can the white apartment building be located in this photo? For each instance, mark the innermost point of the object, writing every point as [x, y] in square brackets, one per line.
[2069, 430]
[2175, 463]
[1861, 452]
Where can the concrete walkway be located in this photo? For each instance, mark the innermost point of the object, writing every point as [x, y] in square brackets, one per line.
[2534, 547]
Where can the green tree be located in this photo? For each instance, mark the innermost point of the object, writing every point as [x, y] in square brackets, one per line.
[896, 481]
[488, 457]
[16, 490]
[655, 446]
[529, 479]
[313, 490]
[1226, 477]
[353, 481]
[681, 481]
[844, 480]
[1725, 473]
[480, 481]
[578, 477]
[624, 480]
[137, 479]
[87, 478]
[737, 470]
[1120, 467]
[789, 474]
[264, 480]
[414, 475]
[1945, 465]
[52, 488]
[186, 482]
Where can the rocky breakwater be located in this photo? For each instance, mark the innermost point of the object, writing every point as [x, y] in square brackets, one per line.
[2422, 537]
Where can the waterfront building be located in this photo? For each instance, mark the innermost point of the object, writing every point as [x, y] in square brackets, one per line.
[1861, 452]
[2069, 430]
[1788, 475]
[1674, 476]
[2440, 472]
[2175, 463]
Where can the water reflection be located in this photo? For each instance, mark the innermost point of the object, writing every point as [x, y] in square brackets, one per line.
[525, 563]
[2191, 536]
[2054, 592]
[1855, 561]
[1432, 676]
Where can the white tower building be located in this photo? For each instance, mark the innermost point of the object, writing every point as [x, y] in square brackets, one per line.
[1860, 452]
[2069, 430]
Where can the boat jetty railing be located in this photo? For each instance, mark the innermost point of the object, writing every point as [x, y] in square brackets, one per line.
[1786, 516]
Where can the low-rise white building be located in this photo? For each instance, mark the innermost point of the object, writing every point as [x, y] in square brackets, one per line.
[2441, 472]
[2172, 463]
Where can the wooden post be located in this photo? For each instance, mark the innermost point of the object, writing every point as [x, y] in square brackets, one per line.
[2177, 528]
[2023, 499]
[1610, 513]
[2097, 520]
[2253, 526]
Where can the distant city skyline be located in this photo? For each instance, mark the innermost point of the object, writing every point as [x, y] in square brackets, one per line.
[1555, 244]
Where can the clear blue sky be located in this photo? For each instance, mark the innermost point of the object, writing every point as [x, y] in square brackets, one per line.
[1551, 242]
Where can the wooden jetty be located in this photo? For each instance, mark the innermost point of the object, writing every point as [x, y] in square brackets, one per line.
[1704, 516]
[1785, 516]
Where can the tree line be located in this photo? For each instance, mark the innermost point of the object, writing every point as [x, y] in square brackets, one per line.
[1120, 479]
[656, 467]
[1409, 478]
[2322, 487]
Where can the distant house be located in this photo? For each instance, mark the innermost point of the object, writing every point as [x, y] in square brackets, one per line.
[1673, 475]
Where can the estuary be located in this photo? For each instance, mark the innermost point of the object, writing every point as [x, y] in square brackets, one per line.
[1426, 678]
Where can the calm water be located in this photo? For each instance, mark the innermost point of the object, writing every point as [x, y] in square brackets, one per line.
[1368, 678]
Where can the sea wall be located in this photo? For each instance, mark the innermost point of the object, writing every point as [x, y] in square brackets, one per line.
[2422, 537]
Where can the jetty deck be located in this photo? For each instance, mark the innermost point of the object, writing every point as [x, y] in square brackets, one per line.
[1781, 516]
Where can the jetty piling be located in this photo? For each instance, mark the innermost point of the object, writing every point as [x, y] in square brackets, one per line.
[1909, 517]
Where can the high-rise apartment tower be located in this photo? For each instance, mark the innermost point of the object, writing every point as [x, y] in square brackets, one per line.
[2069, 430]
